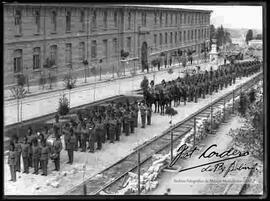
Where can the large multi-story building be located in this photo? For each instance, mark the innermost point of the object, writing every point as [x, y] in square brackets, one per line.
[60, 37]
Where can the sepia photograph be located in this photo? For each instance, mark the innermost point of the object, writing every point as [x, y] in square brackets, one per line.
[111, 99]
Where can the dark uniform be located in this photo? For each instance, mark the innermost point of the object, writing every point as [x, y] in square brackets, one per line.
[126, 122]
[44, 158]
[196, 93]
[136, 114]
[132, 120]
[36, 157]
[66, 135]
[78, 136]
[57, 147]
[29, 141]
[143, 115]
[18, 150]
[25, 156]
[112, 130]
[70, 148]
[92, 138]
[118, 127]
[99, 134]
[12, 157]
[148, 115]
[84, 136]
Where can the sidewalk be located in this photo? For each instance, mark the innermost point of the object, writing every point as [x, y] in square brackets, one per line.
[43, 104]
[36, 184]
[60, 85]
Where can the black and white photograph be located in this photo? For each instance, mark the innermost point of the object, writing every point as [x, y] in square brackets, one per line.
[124, 99]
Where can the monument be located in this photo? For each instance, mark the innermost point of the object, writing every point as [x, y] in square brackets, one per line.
[214, 54]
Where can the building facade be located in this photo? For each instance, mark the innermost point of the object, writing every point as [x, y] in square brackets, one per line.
[58, 38]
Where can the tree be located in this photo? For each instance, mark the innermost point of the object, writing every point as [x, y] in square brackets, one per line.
[249, 35]
[212, 33]
[63, 108]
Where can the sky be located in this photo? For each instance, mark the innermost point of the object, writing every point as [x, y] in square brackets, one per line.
[232, 16]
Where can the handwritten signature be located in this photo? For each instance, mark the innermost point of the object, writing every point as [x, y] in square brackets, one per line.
[185, 152]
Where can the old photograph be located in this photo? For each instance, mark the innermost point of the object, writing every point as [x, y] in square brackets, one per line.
[104, 99]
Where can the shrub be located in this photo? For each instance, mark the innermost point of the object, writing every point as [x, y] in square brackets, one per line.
[63, 108]
[243, 104]
[252, 95]
[21, 80]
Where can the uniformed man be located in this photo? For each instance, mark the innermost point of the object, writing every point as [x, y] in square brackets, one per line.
[84, 136]
[148, 115]
[112, 127]
[18, 150]
[57, 125]
[107, 125]
[196, 92]
[184, 92]
[71, 146]
[36, 155]
[98, 132]
[136, 109]
[57, 148]
[118, 125]
[12, 162]
[127, 122]
[66, 134]
[92, 136]
[25, 155]
[44, 158]
[203, 87]
[143, 114]
[29, 141]
[78, 136]
[132, 119]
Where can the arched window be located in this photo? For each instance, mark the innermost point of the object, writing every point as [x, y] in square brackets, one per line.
[68, 21]
[18, 22]
[36, 58]
[37, 21]
[18, 62]
[54, 22]
[53, 54]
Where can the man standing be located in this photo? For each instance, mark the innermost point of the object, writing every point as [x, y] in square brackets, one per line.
[143, 114]
[71, 146]
[29, 140]
[148, 115]
[84, 135]
[36, 155]
[126, 122]
[66, 134]
[132, 119]
[18, 150]
[92, 138]
[44, 158]
[57, 148]
[25, 155]
[12, 162]
[78, 136]
[112, 129]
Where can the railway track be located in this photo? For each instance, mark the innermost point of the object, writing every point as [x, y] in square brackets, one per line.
[112, 178]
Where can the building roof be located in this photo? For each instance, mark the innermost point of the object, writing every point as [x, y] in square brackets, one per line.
[95, 5]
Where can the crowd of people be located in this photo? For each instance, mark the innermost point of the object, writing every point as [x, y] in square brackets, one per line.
[87, 132]
[98, 125]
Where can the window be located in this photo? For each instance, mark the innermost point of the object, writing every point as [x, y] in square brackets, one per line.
[188, 35]
[115, 18]
[180, 19]
[143, 19]
[155, 18]
[171, 18]
[129, 44]
[82, 51]
[176, 19]
[68, 21]
[180, 36]
[18, 61]
[54, 24]
[36, 58]
[171, 38]
[82, 20]
[115, 48]
[160, 39]
[105, 18]
[166, 35]
[68, 54]
[155, 40]
[53, 54]
[94, 20]
[191, 34]
[129, 20]
[175, 37]
[93, 49]
[195, 34]
[105, 49]
[184, 36]
[160, 19]
[166, 19]
[18, 22]
[37, 21]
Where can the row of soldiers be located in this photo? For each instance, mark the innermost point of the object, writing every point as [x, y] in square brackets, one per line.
[35, 152]
[100, 124]
[91, 127]
[199, 84]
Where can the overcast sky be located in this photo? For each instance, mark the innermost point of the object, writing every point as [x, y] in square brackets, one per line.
[232, 16]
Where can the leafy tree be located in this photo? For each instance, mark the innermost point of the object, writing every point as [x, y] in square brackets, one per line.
[212, 33]
[243, 104]
[249, 35]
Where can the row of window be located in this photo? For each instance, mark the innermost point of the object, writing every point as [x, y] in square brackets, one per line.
[52, 59]
[181, 36]
[190, 19]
